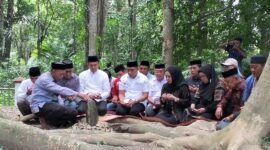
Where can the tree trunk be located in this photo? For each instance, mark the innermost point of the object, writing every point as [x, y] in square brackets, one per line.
[1, 29]
[38, 28]
[101, 17]
[93, 7]
[132, 18]
[168, 25]
[16, 135]
[202, 28]
[86, 28]
[8, 28]
[245, 132]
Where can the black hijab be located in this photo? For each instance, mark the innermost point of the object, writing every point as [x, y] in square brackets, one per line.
[207, 90]
[177, 79]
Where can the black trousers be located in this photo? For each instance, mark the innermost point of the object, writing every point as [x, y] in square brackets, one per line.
[167, 116]
[58, 115]
[135, 110]
[24, 107]
[101, 107]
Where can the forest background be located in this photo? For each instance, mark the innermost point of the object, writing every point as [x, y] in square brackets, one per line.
[37, 32]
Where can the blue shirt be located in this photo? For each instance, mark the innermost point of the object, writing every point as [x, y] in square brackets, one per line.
[73, 83]
[250, 84]
[46, 90]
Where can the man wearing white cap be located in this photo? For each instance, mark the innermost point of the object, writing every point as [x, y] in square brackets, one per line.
[231, 63]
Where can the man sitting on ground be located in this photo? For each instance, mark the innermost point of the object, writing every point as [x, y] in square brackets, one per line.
[256, 67]
[95, 83]
[144, 69]
[194, 81]
[230, 105]
[133, 91]
[44, 103]
[71, 81]
[120, 71]
[155, 87]
[24, 93]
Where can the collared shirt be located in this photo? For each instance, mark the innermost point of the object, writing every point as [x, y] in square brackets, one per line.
[73, 83]
[250, 84]
[95, 83]
[150, 76]
[46, 90]
[21, 93]
[133, 87]
[234, 96]
[155, 87]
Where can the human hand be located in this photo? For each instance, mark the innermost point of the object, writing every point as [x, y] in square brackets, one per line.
[29, 91]
[219, 113]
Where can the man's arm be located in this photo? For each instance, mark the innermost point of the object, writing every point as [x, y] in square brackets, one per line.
[22, 91]
[143, 97]
[122, 96]
[55, 88]
[223, 45]
[151, 100]
[106, 88]
[243, 53]
[82, 82]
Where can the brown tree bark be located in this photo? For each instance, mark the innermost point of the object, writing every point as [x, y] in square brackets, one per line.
[8, 27]
[101, 18]
[86, 28]
[1, 28]
[168, 25]
[132, 17]
[92, 27]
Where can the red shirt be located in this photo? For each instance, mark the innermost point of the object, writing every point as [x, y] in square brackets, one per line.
[115, 88]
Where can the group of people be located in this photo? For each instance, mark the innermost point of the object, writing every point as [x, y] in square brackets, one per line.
[59, 96]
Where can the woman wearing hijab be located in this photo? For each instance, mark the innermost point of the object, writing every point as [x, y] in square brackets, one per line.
[209, 93]
[175, 97]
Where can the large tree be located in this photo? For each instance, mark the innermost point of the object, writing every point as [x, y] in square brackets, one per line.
[1, 27]
[92, 27]
[8, 27]
[168, 26]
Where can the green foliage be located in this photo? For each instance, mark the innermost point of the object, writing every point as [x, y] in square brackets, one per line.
[265, 144]
[199, 27]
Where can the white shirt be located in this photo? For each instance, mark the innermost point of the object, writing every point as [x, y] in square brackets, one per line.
[133, 87]
[21, 93]
[95, 83]
[155, 87]
[150, 76]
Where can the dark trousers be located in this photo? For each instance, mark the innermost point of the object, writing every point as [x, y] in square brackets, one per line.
[135, 110]
[167, 116]
[24, 107]
[58, 115]
[101, 107]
